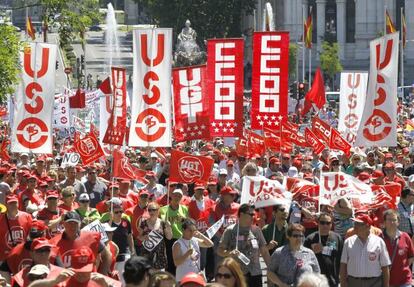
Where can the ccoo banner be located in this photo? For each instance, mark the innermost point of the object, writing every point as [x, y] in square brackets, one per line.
[269, 78]
[151, 101]
[32, 129]
[379, 120]
[225, 83]
[191, 110]
[351, 103]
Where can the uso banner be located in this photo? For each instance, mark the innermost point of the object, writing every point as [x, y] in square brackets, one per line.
[115, 133]
[270, 77]
[225, 83]
[379, 120]
[351, 103]
[151, 100]
[191, 109]
[61, 112]
[32, 129]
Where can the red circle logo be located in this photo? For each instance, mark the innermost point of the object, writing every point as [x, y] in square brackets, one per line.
[190, 168]
[32, 133]
[151, 125]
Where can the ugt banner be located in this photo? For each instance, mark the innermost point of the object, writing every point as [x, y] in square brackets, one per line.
[188, 168]
[351, 103]
[270, 78]
[151, 100]
[260, 192]
[379, 120]
[225, 83]
[115, 133]
[191, 109]
[32, 129]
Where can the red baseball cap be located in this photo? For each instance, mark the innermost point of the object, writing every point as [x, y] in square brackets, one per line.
[144, 191]
[52, 194]
[364, 176]
[286, 155]
[230, 163]
[125, 181]
[363, 218]
[212, 181]
[42, 184]
[388, 155]
[83, 259]
[38, 225]
[113, 185]
[79, 168]
[199, 185]
[390, 165]
[228, 190]
[150, 173]
[274, 160]
[193, 278]
[40, 243]
[12, 198]
[49, 179]
[377, 174]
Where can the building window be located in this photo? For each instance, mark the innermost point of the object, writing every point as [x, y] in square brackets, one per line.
[330, 21]
[350, 21]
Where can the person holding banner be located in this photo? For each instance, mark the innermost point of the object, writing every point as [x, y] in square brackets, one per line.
[245, 242]
[275, 232]
[289, 262]
[153, 223]
[186, 250]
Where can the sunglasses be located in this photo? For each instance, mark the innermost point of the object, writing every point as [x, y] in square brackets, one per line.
[68, 195]
[92, 172]
[152, 209]
[297, 235]
[285, 158]
[118, 212]
[84, 201]
[282, 209]
[335, 164]
[224, 275]
[325, 222]
[43, 250]
[249, 213]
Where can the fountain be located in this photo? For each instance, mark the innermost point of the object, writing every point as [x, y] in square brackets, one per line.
[111, 37]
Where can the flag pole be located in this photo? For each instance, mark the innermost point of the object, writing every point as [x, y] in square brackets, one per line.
[303, 43]
[385, 19]
[402, 51]
[310, 56]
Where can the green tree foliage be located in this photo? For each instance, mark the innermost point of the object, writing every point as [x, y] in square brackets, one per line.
[210, 18]
[9, 59]
[330, 62]
[293, 53]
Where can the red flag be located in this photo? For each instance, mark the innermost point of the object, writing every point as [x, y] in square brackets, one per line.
[78, 101]
[105, 86]
[291, 134]
[123, 169]
[316, 94]
[313, 141]
[270, 77]
[191, 106]
[225, 83]
[116, 130]
[255, 144]
[88, 148]
[188, 168]
[275, 143]
[337, 142]
[241, 146]
[4, 154]
[321, 129]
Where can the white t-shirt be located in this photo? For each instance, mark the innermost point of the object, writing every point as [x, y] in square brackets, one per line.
[192, 263]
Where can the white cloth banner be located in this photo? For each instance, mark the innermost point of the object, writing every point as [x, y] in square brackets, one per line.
[334, 185]
[97, 227]
[260, 192]
[32, 129]
[351, 103]
[61, 113]
[215, 227]
[379, 120]
[151, 101]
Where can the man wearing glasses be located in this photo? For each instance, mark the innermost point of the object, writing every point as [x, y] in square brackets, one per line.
[94, 187]
[327, 246]
[364, 260]
[246, 239]
[406, 211]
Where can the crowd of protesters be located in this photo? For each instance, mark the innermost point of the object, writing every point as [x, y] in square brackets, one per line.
[47, 209]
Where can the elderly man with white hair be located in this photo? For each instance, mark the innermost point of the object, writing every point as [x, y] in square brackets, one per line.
[312, 280]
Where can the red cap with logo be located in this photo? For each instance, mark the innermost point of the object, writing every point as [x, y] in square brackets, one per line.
[199, 185]
[363, 218]
[12, 198]
[83, 259]
[193, 278]
[228, 190]
[38, 225]
[40, 243]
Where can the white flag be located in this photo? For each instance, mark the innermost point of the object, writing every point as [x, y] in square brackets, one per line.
[351, 103]
[335, 185]
[215, 227]
[260, 192]
[379, 120]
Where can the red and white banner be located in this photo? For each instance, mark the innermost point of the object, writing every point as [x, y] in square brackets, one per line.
[321, 129]
[123, 169]
[379, 120]
[88, 148]
[191, 107]
[292, 135]
[351, 103]
[105, 107]
[270, 78]
[313, 141]
[225, 85]
[32, 129]
[260, 192]
[61, 113]
[151, 102]
[337, 142]
[188, 168]
[334, 185]
[115, 133]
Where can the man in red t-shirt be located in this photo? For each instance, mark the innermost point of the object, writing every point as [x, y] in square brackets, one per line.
[135, 213]
[73, 238]
[31, 193]
[52, 214]
[14, 226]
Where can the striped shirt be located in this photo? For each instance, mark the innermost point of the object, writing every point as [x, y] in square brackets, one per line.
[365, 259]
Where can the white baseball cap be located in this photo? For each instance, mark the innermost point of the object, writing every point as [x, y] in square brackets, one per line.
[223, 171]
[178, 191]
